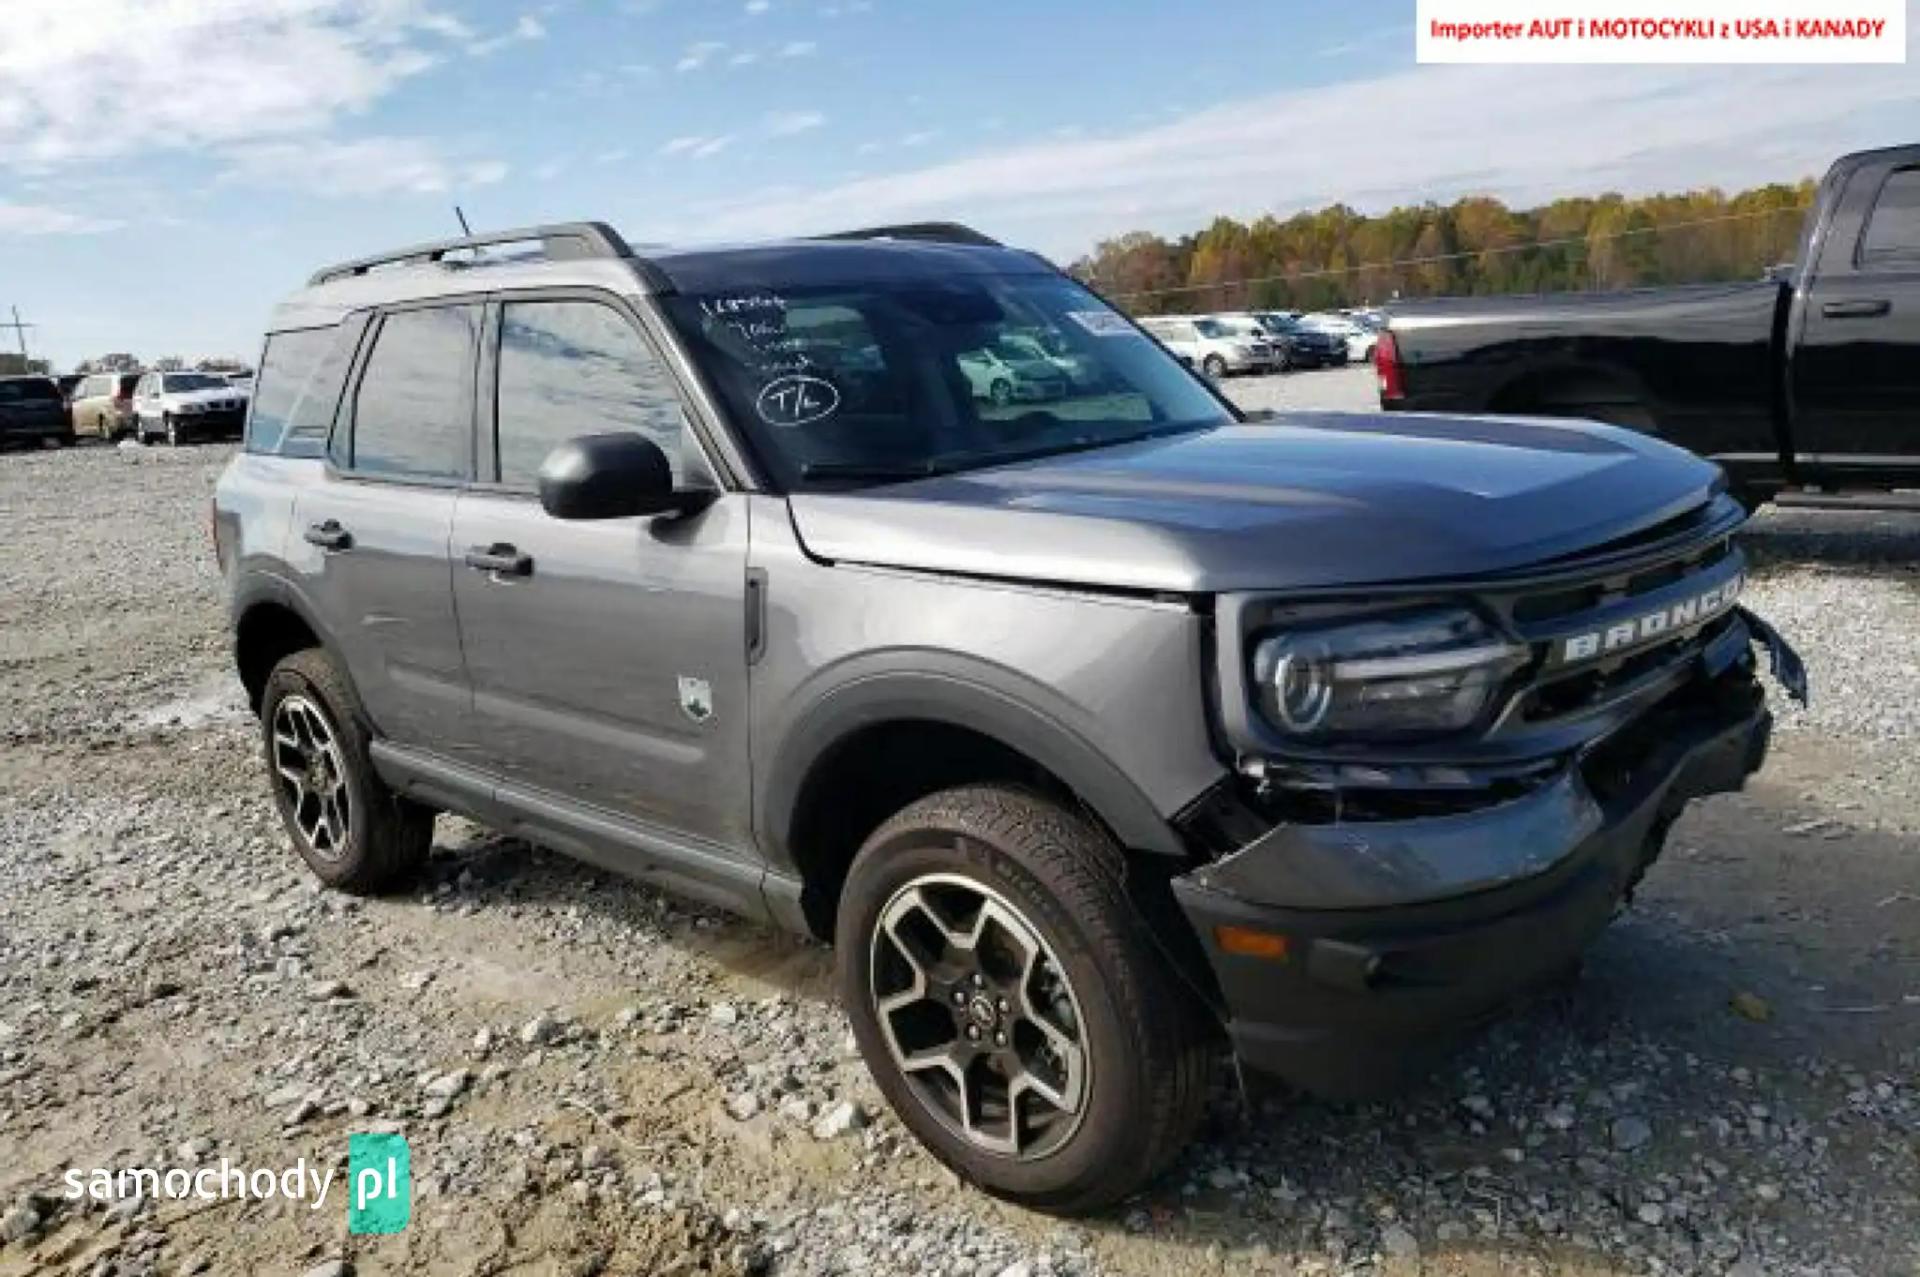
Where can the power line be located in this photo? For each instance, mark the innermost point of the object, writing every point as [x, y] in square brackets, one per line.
[1401, 262]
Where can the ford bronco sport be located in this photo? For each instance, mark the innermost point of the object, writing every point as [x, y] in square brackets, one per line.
[1094, 733]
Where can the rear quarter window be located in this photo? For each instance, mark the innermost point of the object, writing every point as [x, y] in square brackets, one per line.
[297, 389]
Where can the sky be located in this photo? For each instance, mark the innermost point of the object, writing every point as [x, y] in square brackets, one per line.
[170, 168]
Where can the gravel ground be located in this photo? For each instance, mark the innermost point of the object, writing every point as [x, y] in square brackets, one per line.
[595, 1078]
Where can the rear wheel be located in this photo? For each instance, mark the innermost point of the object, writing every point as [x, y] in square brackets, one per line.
[1010, 1004]
[354, 832]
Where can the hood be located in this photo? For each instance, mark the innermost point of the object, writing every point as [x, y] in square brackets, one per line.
[1309, 501]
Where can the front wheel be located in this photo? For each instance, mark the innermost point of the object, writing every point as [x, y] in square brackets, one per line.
[1011, 1006]
[1000, 392]
[353, 832]
[172, 430]
[1214, 366]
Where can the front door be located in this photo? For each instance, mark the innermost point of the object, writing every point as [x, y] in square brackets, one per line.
[374, 530]
[608, 657]
[1856, 370]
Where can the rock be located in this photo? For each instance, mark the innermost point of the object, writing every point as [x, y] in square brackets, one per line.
[1751, 1006]
[724, 1014]
[20, 1223]
[1019, 1268]
[330, 1268]
[448, 1085]
[542, 1030]
[1649, 1213]
[743, 1106]
[843, 1118]
[1399, 1242]
[304, 1111]
[1630, 1133]
[328, 990]
[483, 1041]
[195, 1149]
[1478, 1105]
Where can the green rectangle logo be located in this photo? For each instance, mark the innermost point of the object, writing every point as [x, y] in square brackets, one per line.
[380, 1180]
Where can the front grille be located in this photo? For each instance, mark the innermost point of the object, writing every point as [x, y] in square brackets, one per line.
[1623, 590]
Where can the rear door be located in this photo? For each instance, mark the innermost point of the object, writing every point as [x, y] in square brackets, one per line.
[374, 527]
[609, 665]
[1856, 371]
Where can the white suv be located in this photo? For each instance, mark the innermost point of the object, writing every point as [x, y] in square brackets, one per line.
[1212, 346]
[183, 406]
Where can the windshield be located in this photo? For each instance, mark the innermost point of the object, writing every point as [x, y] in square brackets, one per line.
[193, 381]
[872, 382]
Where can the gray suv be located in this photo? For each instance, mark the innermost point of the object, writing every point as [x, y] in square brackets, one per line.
[1098, 734]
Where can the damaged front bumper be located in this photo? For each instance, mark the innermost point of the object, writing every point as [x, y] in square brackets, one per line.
[1375, 942]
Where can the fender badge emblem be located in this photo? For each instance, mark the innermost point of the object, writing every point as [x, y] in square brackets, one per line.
[696, 699]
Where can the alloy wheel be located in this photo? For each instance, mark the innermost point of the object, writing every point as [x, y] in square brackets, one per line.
[979, 1016]
[312, 776]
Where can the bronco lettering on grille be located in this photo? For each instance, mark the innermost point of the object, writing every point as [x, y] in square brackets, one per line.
[1635, 630]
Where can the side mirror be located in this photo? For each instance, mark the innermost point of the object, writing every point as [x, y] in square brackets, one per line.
[613, 476]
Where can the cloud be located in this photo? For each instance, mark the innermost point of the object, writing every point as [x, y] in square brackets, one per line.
[361, 167]
[698, 145]
[92, 79]
[698, 55]
[798, 49]
[788, 123]
[920, 137]
[39, 219]
[759, 6]
[1633, 129]
[527, 28]
[744, 58]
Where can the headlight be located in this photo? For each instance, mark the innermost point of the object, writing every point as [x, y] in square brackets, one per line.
[191, 406]
[1422, 672]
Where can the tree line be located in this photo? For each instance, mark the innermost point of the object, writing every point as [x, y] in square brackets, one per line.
[1336, 256]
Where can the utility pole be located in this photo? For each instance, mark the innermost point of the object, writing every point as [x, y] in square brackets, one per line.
[20, 331]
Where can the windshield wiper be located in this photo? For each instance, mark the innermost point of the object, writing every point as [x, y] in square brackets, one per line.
[879, 471]
[952, 462]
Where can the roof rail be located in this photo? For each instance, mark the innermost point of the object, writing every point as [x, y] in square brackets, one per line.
[934, 232]
[560, 241]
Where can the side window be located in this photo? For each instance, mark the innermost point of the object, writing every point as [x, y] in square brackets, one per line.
[571, 368]
[286, 385]
[1893, 228]
[413, 411]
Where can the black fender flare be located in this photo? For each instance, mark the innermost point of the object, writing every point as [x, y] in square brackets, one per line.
[950, 693]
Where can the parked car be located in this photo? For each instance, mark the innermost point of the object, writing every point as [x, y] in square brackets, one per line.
[32, 411]
[1305, 347]
[1803, 386]
[1245, 327]
[1095, 737]
[1358, 337]
[184, 406]
[1205, 343]
[1006, 372]
[102, 404]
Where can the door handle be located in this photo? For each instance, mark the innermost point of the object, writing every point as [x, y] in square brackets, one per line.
[1860, 308]
[499, 557]
[329, 535]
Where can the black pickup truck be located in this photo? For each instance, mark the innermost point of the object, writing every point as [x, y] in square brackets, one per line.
[1804, 386]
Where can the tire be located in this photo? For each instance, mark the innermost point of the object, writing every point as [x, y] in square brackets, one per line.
[1285, 363]
[374, 839]
[1214, 366]
[171, 429]
[1116, 1034]
[1001, 392]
